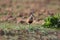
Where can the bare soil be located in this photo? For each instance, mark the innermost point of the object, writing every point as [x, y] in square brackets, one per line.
[19, 10]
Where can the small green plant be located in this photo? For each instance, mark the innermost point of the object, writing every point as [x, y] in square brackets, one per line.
[52, 21]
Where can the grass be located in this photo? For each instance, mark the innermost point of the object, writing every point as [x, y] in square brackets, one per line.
[31, 28]
[15, 26]
[26, 32]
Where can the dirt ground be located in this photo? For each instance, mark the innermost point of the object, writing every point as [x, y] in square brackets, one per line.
[32, 35]
[17, 10]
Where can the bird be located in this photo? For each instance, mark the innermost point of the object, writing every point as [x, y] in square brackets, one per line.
[31, 18]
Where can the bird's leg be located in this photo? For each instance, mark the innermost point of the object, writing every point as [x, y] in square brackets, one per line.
[29, 25]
